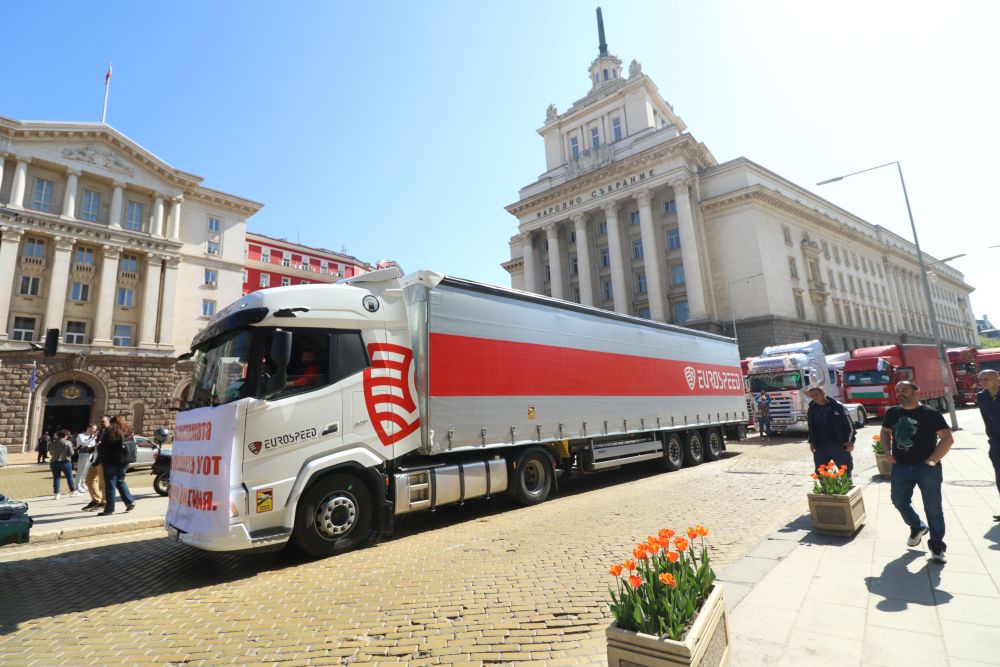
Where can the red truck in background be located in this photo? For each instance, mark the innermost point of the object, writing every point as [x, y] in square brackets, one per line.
[965, 373]
[988, 359]
[871, 374]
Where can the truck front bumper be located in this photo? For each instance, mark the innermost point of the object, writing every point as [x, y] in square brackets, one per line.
[238, 539]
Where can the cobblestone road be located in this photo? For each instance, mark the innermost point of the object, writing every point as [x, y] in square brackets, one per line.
[488, 583]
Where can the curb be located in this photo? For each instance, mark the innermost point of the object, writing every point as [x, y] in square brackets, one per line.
[44, 536]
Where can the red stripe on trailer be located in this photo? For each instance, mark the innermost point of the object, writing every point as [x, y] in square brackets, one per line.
[466, 366]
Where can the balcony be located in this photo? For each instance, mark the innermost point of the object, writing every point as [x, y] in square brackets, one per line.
[33, 265]
[83, 271]
[128, 278]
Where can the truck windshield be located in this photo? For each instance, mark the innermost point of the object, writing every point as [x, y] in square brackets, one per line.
[220, 370]
[866, 378]
[992, 365]
[776, 381]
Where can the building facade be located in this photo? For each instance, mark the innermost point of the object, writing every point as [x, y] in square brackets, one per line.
[272, 262]
[127, 256]
[635, 215]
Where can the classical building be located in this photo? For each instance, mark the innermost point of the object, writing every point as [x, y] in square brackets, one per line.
[272, 262]
[127, 256]
[633, 214]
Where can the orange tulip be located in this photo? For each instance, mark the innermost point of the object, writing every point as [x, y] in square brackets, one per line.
[814, 476]
[692, 533]
[629, 565]
[702, 531]
[635, 581]
[667, 579]
[653, 546]
[639, 552]
[672, 556]
[681, 543]
[666, 533]
[615, 569]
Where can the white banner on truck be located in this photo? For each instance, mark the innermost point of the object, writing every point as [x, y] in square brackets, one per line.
[200, 470]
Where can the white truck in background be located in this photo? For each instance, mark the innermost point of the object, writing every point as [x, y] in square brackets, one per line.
[785, 372]
[330, 410]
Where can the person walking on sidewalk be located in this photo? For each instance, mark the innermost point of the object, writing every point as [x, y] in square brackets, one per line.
[988, 401]
[60, 450]
[111, 455]
[920, 438]
[86, 449]
[42, 447]
[831, 431]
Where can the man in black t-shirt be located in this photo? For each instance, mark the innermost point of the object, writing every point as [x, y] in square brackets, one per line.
[920, 438]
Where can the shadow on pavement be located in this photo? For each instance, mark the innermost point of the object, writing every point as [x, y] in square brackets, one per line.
[993, 535]
[902, 588]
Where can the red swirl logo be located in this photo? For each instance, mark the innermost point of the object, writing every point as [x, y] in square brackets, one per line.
[388, 398]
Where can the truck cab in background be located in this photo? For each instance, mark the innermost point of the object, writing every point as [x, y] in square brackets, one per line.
[871, 374]
[965, 373]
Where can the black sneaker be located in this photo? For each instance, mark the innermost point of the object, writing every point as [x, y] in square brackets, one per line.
[939, 558]
[89, 506]
[104, 513]
[129, 508]
[915, 535]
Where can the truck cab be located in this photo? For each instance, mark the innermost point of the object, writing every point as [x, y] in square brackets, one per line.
[965, 372]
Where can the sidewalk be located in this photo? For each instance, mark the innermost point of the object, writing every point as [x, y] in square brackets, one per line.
[806, 598]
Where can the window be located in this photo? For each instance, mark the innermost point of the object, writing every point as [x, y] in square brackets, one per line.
[91, 208]
[265, 280]
[633, 217]
[24, 328]
[214, 225]
[673, 239]
[133, 216]
[29, 285]
[605, 258]
[840, 280]
[836, 254]
[829, 277]
[670, 207]
[34, 248]
[602, 228]
[84, 256]
[850, 280]
[211, 277]
[265, 255]
[285, 281]
[606, 288]
[574, 267]
[800, 306]
[826, 249]
[76, 333]
[129, 264]
[605, 73]
[643, 312]
[595, 137]
[122, 336]
[125, 297]
[306, 282]
[640, 283]
[616, 127]
[208, 308]
[681, 311]
[286, 260]
[677, 274]
[838, 312]
[793, 269]
[788, 235]
[574, 147]
[636, 248]
[572, 237]
[246, 276]
[42, 198]
[213, 248]
[79, 292]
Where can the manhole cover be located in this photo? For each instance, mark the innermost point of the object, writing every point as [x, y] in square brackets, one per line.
[971, 482]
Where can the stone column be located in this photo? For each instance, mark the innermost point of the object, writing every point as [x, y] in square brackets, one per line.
[555, 260]
[117, 199]
[619, 288]
[106, 296]
[583, 260]
[58, 278]
[69, 197]
[689, 251]
[150, 301]
[175, 218]
[528, 256]
[8, 270]
[167, 304]
[20, 183]
[651, 257]
[3, 157]
[157, 215]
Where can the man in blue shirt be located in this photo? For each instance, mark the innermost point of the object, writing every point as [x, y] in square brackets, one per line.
[831, 431]
[988, 401]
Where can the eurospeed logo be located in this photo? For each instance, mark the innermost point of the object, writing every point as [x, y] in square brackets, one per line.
[689, 375]
[700, 378]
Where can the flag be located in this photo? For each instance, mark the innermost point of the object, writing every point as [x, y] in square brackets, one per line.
[32, 381]
[107, 77]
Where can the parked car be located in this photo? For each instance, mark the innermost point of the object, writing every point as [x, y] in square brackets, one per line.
[145, 449]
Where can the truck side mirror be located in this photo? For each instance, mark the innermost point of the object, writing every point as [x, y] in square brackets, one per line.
[280, 355]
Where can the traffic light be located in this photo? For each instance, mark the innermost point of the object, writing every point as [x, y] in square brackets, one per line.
[51, 342]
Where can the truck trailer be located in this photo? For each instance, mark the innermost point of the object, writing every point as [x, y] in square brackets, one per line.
[318, 414]
[871, 374]
[988, 359]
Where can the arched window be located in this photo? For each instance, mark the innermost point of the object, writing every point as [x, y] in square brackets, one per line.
[138, 417]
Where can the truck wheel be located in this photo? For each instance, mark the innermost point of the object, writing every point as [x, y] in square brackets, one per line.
[713, 444]
[673, 453]
[694, 450]
[334, 515]
[161, 483]
[532, 478]
[862, 418]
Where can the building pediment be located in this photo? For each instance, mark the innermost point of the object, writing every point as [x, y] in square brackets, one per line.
[97, 157]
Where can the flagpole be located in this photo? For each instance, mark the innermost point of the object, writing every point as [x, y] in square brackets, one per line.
[27, 413]
[107, 86]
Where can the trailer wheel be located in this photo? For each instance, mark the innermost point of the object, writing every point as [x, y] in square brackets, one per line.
[862, 418]
[334, 515]
[694, 450]
[713, 444]
[532, 478]
[673, 453]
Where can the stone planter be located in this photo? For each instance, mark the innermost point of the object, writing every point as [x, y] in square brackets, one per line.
[884, 465]
[837, 515]
[706, 642]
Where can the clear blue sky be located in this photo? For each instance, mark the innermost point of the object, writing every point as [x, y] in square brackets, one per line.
[402, 129]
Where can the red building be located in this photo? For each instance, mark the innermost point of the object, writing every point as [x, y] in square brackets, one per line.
[272, 262]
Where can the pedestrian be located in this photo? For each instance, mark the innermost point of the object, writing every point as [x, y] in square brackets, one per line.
[831, 431]
[988, 401]
[920, 438]
[764, 415]
[111, 455]
[61, 452]
[86, 444]
[42, 447]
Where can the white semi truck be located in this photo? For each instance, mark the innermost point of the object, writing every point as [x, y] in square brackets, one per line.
[319, 413]
[785, 372]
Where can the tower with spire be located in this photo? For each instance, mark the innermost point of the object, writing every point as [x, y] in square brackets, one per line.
[607, 68]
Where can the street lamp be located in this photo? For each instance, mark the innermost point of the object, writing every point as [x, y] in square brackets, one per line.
[732, 306]
[935, 329]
